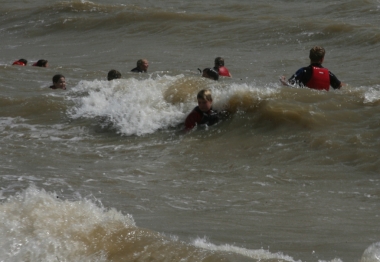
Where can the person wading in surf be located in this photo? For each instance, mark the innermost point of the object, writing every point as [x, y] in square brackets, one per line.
[314, 76]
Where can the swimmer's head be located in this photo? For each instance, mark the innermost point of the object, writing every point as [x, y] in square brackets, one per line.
[219, 61]
[317, 54]
[204, 94]
[113, 74]
[41, 63]
[210, 73]
[143, 64]
[59, 82]
[204, 100]
[21, 62]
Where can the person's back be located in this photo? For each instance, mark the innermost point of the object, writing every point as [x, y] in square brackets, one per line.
[314, 76]
[210, 73]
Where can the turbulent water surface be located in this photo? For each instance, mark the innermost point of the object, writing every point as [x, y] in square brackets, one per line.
[103, 172]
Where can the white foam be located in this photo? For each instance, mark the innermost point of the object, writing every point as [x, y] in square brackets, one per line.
[372, 95]
[132, 106]
[38, 226]
[142, 106]
[259, 254]
[372, 253]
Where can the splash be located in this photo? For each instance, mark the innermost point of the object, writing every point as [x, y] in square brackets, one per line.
[143, 106]
[372, 253]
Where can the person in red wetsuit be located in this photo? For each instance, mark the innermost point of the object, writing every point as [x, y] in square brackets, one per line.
[203, 113]
[20, 62]
[314, 76]
[220, 68]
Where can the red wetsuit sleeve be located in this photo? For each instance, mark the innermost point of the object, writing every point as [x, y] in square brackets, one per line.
[192, 120]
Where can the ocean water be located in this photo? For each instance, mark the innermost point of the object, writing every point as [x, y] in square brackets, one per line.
[103, 172]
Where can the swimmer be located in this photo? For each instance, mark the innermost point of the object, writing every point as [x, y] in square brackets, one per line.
[210, 73]
[142, 66]
[59, 82]
[41, 63]
[220, 68]
[203, 113]
[20, 62]
[314, 76]
[113, 74]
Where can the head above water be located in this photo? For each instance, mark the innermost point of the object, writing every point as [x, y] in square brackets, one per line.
[219, 61]
[113, 74]
[41, 63]
[205, 94]
[317, 54]
[210, 73]
[143, 64]
[59, 82]
[204, 100]
[21, 62]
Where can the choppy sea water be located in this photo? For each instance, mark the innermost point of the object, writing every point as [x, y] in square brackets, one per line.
[102, 171]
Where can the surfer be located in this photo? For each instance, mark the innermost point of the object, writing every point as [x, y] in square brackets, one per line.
[113, 74]
[59, 82]
[142, 66]
[203, 114]
[20, 62]
[210, 73]
[220, 68]
[41, 63]
[314, 76]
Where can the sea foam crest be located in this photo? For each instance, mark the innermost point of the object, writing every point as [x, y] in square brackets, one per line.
[133, 106]
[372, 253]
[38, 226]
[259, 254]
[137, 106]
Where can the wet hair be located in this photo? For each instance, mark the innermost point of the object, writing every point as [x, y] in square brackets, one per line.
[204, 94]
[141, 61]
[57, 77]
[22, 60]
[41, 63]
[113, 74]
[219, 61]
[211, 73]
[317, 53]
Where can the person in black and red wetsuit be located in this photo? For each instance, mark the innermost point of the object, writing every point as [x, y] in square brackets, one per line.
[203, 113]
[314, 76]
[20, 62]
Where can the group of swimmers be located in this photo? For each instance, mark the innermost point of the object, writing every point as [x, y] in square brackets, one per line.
[24, 62]
[59, 81]
[314, 76]
[212, 73]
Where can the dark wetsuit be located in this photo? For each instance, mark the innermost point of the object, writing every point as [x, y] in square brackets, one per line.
[198, 117]
[304, 75]
[137, 70]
